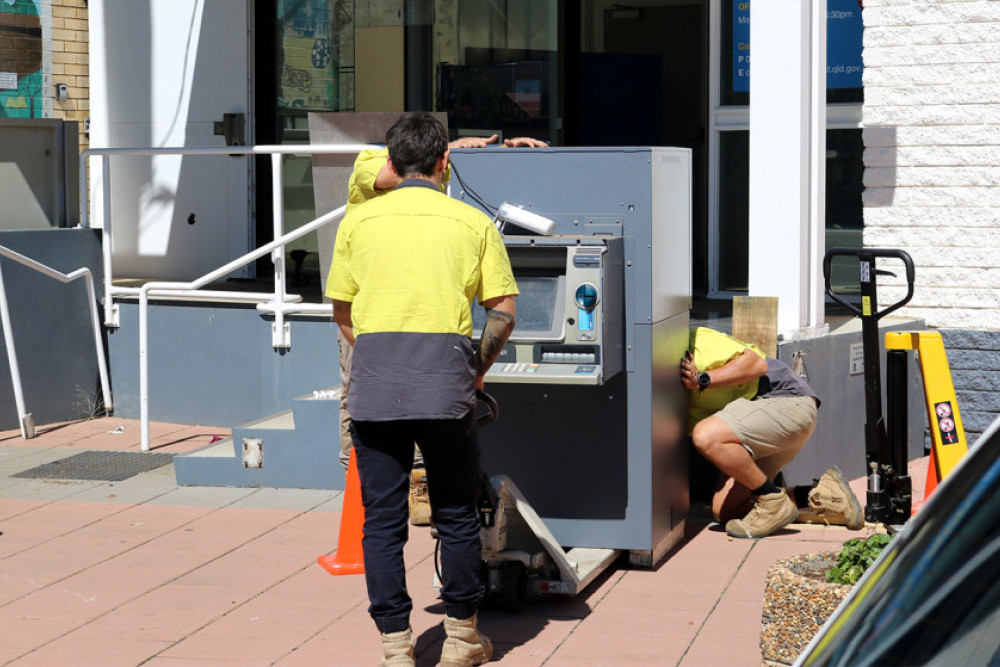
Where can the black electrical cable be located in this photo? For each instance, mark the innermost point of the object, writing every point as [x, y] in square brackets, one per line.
[437, 560]
[473, 195]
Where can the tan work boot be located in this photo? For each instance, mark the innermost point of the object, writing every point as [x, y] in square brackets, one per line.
[771, 512]
[464, 645]
[397, 648]
[832, 502]
[420, 502]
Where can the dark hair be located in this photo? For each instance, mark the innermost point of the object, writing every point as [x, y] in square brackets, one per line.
[416, 142]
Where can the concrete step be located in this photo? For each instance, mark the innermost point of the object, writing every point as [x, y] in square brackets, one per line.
[298, 448]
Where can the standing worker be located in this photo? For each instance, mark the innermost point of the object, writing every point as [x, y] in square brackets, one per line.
[750, 415]
[406, 268]
[372, 178]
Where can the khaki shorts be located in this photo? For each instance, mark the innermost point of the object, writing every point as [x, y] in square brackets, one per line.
[773, 430]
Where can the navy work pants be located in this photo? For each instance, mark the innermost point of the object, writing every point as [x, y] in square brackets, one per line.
[384, 452]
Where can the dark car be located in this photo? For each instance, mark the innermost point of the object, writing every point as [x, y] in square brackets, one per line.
[933, 596]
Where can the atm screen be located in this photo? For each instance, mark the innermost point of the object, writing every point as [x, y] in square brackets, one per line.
[540, 308]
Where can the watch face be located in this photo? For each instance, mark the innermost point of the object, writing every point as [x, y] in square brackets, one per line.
[703, 379]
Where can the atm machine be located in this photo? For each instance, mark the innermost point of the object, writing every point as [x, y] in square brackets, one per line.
[592, 416]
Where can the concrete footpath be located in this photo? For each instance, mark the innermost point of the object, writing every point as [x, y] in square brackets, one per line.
[143, 572]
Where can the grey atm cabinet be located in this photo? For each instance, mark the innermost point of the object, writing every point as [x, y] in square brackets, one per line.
[592, 422]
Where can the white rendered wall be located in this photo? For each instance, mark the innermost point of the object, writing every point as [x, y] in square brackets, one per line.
[932, 152]
[161, 75]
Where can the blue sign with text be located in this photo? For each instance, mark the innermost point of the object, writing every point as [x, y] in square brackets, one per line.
[843, 44]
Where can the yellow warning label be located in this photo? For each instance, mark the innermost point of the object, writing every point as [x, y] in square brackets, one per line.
[866, 305]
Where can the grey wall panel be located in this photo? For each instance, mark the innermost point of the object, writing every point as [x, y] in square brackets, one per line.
[51, 326]
[839, 438]
[214, 365]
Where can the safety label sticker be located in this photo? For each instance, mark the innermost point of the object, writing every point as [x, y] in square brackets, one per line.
[946, 425]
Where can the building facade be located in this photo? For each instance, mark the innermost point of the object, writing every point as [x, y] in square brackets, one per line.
[910, 146]
[932, 174]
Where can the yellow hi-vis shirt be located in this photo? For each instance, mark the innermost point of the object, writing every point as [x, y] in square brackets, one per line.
[411, 262]
[713, 349]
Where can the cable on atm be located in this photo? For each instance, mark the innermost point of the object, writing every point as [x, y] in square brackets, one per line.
[473, 195]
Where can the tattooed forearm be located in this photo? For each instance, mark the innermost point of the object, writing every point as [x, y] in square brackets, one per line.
[498, 327]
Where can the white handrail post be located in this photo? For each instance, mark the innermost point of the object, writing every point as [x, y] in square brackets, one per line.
[102, 365]
[84, 201]
[279, 332]
[110, 311]
[23, 418]
[144, 368]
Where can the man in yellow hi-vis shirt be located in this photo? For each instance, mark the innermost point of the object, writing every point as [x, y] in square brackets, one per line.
[750, 415]
[370, 179]
[406, 268]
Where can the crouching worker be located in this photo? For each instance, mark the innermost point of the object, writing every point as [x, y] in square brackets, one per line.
[406, 268]
[750, 416]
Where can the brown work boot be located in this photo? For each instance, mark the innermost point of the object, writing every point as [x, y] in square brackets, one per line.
[771, 512]
[832, 502]
[464, 645]
[397, 648]
[420, 502]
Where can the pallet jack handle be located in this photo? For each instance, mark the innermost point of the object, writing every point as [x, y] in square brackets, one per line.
[867, 258]
[888, 484]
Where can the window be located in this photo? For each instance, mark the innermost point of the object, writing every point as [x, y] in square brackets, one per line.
[729, 213]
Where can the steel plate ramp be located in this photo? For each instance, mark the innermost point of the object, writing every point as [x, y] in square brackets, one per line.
[296, 449]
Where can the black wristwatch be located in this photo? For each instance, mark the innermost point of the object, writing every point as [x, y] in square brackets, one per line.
[704, 379]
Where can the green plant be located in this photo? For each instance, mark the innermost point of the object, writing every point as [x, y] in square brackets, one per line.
[856, 557]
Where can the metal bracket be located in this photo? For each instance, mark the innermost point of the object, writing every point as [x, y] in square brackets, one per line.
[253, 453]
[281, 336]
[232, 127]
[28, 426]
[115, 322]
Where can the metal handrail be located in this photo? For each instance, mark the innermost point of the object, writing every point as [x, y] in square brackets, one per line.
[280, 302]
[24, 418]
[145, 290]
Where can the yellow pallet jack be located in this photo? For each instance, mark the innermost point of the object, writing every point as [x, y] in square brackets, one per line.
[889, 494]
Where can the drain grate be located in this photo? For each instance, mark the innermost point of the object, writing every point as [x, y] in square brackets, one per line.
[99, 466]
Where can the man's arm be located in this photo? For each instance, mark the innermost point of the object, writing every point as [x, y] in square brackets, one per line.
[500, 318]
[342, 316]
[482, 142]
[386, 179]
[738, 370]
[524, 142]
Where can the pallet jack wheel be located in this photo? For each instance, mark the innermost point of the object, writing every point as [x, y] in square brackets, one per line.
[514, 586]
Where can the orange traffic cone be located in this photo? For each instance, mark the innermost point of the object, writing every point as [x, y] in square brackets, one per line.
[349, 558]
[931, 484]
